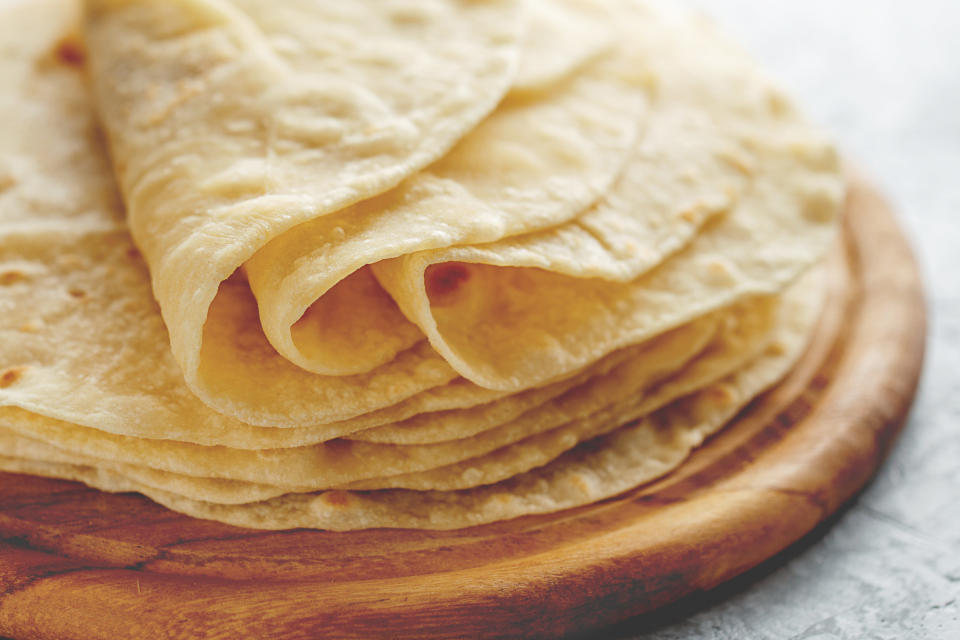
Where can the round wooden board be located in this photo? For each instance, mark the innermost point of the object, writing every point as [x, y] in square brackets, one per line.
[77, 563]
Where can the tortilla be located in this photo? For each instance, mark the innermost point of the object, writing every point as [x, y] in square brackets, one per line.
[84, 334]
[418, 279]
[585, 27]
[131, 385]
[337, 462]
[598, 469]
[509, 172]
[294, 250]
[529, 308]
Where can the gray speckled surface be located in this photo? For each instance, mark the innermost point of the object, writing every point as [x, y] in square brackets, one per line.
[884, 77]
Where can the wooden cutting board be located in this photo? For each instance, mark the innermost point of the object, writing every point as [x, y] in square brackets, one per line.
[77, 563]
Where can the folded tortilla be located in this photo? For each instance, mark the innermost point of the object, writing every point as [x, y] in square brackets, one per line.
[602, 467]
[338, 462]
[196, 226]
[493, 252]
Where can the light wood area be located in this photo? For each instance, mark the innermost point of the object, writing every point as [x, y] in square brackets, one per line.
[78, 563]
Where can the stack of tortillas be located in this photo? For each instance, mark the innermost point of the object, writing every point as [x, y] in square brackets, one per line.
[391, 263]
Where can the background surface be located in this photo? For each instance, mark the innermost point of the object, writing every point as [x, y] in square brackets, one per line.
[884, 77]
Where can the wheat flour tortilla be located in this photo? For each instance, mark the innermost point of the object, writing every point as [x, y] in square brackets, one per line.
[124, 381]
[498, 465]
[651, 360]
[585, 28]
[338, 462]
[794, 318]
[721, 358]
[130, 384]
[712, 346]
[239, 382]
[83, 340]
[534, 161]
[64, 284]
[720, 136]
[597, 469]
[13, 375]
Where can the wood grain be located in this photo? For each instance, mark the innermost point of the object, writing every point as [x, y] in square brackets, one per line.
[77, 563]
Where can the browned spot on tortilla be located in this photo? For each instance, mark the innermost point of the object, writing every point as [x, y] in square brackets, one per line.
[721, 395]
[720, 269]
[580, 483]
[336, 498]
[8, 278]
[777, 349]
[444, 279]
[70, 51]
[10, 376]
[650, 82]
[778, 103]
[133, 254]
[77, 293]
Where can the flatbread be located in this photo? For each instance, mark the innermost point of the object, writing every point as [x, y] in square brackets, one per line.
[221, 346]
[721, 138]
[534, 161]
[598, 469]
[406, 281]
[83, 337]
[337, 462]
[586, 28]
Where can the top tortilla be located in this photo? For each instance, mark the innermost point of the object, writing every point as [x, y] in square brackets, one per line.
[685, 134]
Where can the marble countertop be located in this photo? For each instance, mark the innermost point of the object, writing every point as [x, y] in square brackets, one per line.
[884, 77]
